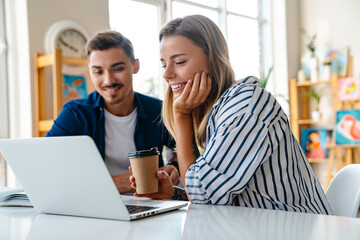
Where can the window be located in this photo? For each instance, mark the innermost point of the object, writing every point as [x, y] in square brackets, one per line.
[244, 23]
[140, 23]
[3, 91]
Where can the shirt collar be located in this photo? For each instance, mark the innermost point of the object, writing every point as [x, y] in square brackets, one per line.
[139, 103]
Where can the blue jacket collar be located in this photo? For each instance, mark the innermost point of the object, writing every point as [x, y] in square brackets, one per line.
[139, 102]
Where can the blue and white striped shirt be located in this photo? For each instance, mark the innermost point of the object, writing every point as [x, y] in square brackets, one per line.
[251, 157]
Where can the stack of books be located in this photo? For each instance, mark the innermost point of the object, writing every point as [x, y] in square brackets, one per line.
[14, 197]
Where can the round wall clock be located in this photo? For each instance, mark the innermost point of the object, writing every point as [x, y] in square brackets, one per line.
[69, 36]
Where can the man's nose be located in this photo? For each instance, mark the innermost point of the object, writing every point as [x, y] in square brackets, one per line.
[108, 78]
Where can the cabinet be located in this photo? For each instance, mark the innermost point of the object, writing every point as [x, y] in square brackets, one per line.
[55, 61]
[300, 118]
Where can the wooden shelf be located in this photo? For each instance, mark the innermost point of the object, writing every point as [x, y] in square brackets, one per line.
[342, 146]
[300, 118]
[309, 83]
[55, 61]
[317, 160]
[311, 121]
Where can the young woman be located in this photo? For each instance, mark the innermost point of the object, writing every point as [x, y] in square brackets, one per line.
[250, 156]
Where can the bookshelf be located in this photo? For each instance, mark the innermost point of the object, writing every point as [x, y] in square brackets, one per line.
[300, 118]
[300, 107]
[55, 61]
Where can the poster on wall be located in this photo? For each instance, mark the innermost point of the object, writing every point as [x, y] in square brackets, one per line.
[347, 127]
[74, 87]
[314, 141]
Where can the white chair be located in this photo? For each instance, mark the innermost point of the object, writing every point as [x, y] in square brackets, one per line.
[343, 192]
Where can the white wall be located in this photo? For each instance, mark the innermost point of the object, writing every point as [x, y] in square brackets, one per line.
[336, 24]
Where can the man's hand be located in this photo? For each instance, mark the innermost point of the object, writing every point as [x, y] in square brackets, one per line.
[122, 182]
[173, 173]
[166, 188]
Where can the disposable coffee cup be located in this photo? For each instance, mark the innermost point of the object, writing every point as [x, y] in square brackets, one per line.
[144, 166]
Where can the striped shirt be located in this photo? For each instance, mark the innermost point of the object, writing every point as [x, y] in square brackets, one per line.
[251, 157]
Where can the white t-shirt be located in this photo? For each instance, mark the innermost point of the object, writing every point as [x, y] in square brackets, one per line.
[119, 141]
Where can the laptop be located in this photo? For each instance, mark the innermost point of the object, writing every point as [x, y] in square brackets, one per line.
[67, 176]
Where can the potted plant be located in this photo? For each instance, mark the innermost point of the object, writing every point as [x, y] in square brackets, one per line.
[314, 65]
[326, 73]
[314, 97]
[264, 78]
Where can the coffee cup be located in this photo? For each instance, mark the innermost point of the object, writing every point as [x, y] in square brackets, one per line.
[144, 166]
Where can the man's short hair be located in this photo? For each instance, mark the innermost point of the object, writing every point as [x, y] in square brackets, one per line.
[110, 39]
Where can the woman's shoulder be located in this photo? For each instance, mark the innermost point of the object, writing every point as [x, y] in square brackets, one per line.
[245, 84]
[240, 89]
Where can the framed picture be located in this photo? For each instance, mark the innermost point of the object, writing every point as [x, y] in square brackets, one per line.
[339, 60]
[349, 88]
[347, 127]
[314, 140]
[74, 87]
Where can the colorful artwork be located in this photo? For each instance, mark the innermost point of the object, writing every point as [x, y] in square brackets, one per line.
[313, 142]
[74, 87]
[339, 60]
[338, 57]
[349, 89]
[347, 127]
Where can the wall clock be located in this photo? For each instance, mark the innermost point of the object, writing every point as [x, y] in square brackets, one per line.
[69, 36]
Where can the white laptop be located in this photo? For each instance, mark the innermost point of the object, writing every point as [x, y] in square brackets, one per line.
[67, 176]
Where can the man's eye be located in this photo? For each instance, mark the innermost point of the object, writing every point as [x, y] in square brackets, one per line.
[181, 62]
[118, 69]
[98, 72]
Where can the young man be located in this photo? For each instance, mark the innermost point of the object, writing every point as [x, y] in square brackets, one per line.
[117, 118]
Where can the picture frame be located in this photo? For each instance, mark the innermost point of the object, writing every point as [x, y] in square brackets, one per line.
[314, 141]
[74, 87]
[349, 88]
[347, 127]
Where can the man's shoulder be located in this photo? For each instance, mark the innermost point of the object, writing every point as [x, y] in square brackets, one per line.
[91, 101]
[148, 101]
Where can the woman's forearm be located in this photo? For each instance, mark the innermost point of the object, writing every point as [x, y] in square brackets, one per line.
[184, 135]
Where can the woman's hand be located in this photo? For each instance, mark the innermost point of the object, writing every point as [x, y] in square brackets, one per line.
[166, 188]
[173, 173]
[194, 95]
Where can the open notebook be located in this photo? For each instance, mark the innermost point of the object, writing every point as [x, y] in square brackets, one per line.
[67, 176]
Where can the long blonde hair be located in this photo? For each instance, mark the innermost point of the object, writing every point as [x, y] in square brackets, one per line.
[204, 33]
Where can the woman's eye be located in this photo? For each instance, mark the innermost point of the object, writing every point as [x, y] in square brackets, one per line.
[181, 62]
[163, 66]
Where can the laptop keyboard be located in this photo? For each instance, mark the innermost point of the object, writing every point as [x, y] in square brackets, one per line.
[136, 209]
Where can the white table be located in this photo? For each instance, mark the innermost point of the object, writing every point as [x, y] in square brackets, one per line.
[194, 222]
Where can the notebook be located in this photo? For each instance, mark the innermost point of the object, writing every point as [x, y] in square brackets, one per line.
[67, 176]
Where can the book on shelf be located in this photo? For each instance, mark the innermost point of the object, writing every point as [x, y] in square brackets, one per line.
[14, 197]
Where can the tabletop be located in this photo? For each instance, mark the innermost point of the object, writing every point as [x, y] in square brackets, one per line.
[192, 222]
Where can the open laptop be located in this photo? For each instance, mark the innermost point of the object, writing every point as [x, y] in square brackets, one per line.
[67, 176]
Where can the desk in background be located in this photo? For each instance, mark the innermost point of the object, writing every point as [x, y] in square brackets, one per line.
[198, 222]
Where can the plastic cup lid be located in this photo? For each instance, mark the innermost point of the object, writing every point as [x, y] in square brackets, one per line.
[144, 153]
